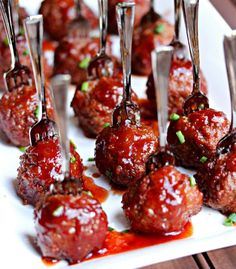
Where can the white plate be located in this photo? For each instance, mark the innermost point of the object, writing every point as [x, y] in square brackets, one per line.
[17, 227]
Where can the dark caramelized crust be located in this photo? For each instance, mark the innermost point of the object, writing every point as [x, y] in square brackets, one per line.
[217, 181]
[95, 106]
[141, 8]
[201, 130]
[40, 166]
[18, 112]
[145, 41]
[161, 202]
[70, 227]
[121, 152]
[58, 14]
[180, 85]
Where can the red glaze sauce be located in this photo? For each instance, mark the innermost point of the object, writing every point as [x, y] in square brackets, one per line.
[98, 192]
[96, 175]
[49, 261]
[118, 242]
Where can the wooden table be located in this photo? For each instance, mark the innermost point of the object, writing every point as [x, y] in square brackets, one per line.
[222, 258]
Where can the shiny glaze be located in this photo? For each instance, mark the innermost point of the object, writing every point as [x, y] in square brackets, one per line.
[71, 52]
[40, 167]
[61, 13]
[98, 192]
[17, 114]
[180, 85]
[144, 41]
[141, 8]
[161, 202]
[121, 152]
[202, 131]
[70, 226]
[94, 108]
[216, 179]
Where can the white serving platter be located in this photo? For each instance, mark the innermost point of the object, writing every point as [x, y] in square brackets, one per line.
[17, 248]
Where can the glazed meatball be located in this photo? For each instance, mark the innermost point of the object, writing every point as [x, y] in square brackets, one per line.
[195, 136]
[70, 226]
[122, 151]
[217, 181]
[58, 14]
[141, 8]
[40, 167]
[161, 202]
[145, 41]
[180, 85]
[94, 105]
[18, 112]
[72, 57]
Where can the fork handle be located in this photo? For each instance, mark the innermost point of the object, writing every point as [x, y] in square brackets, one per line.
[103, 8]
[6, 11]
[34, 34]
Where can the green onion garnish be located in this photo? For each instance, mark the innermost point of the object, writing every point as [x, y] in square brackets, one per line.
[203, 159]
[180, 137]
[231, 220]
[89, 193]
[201, 106]
[125, 231]
[36, 112]
[159, 29]
[192, 181]
[108, 173]
[73, 144]
[84, 63]
[22, 149]
[107, 124]
[5, 42]
[25, 52]
[21, 31]
[174, 117]
[58, 212]
[72, 159]
[84, 86]
[110, 229]
[91, 159]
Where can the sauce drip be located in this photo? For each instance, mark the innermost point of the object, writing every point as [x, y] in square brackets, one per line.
[49, 261]
[96, 175]
[98, 192]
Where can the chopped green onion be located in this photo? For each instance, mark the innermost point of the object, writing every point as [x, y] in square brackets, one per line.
[58, 212]
[108, 173]
[110, 229]
[72, 159]
[174, 117]
[159, 29]
[192, 181]
[84, 63]
[89, 193]
[73, 144]
[107, 124]
[5, 42]
[22, 149]
[125, 231]
[36, 112]
[91, 159]
[21, 31]
[203, 159]
[180, 137]
[231, 220]
[25, 52]
[84, 86]
[201, 106]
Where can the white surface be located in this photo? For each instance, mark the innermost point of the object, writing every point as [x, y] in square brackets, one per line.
[17, 227]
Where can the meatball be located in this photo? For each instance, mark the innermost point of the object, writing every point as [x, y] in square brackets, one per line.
[217, 181]
[180, 85]
[141, 8]
[70, 226]
[72, 57]
[122, 151]
[195, 136]
[94, 105]
[18, 112]
[58, 14]
[145, 41]
[40, 167]
[161, 202]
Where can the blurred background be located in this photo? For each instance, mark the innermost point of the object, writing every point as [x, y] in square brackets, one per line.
[227, 8]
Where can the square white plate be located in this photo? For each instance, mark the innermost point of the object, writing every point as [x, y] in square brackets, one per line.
[16, 226]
